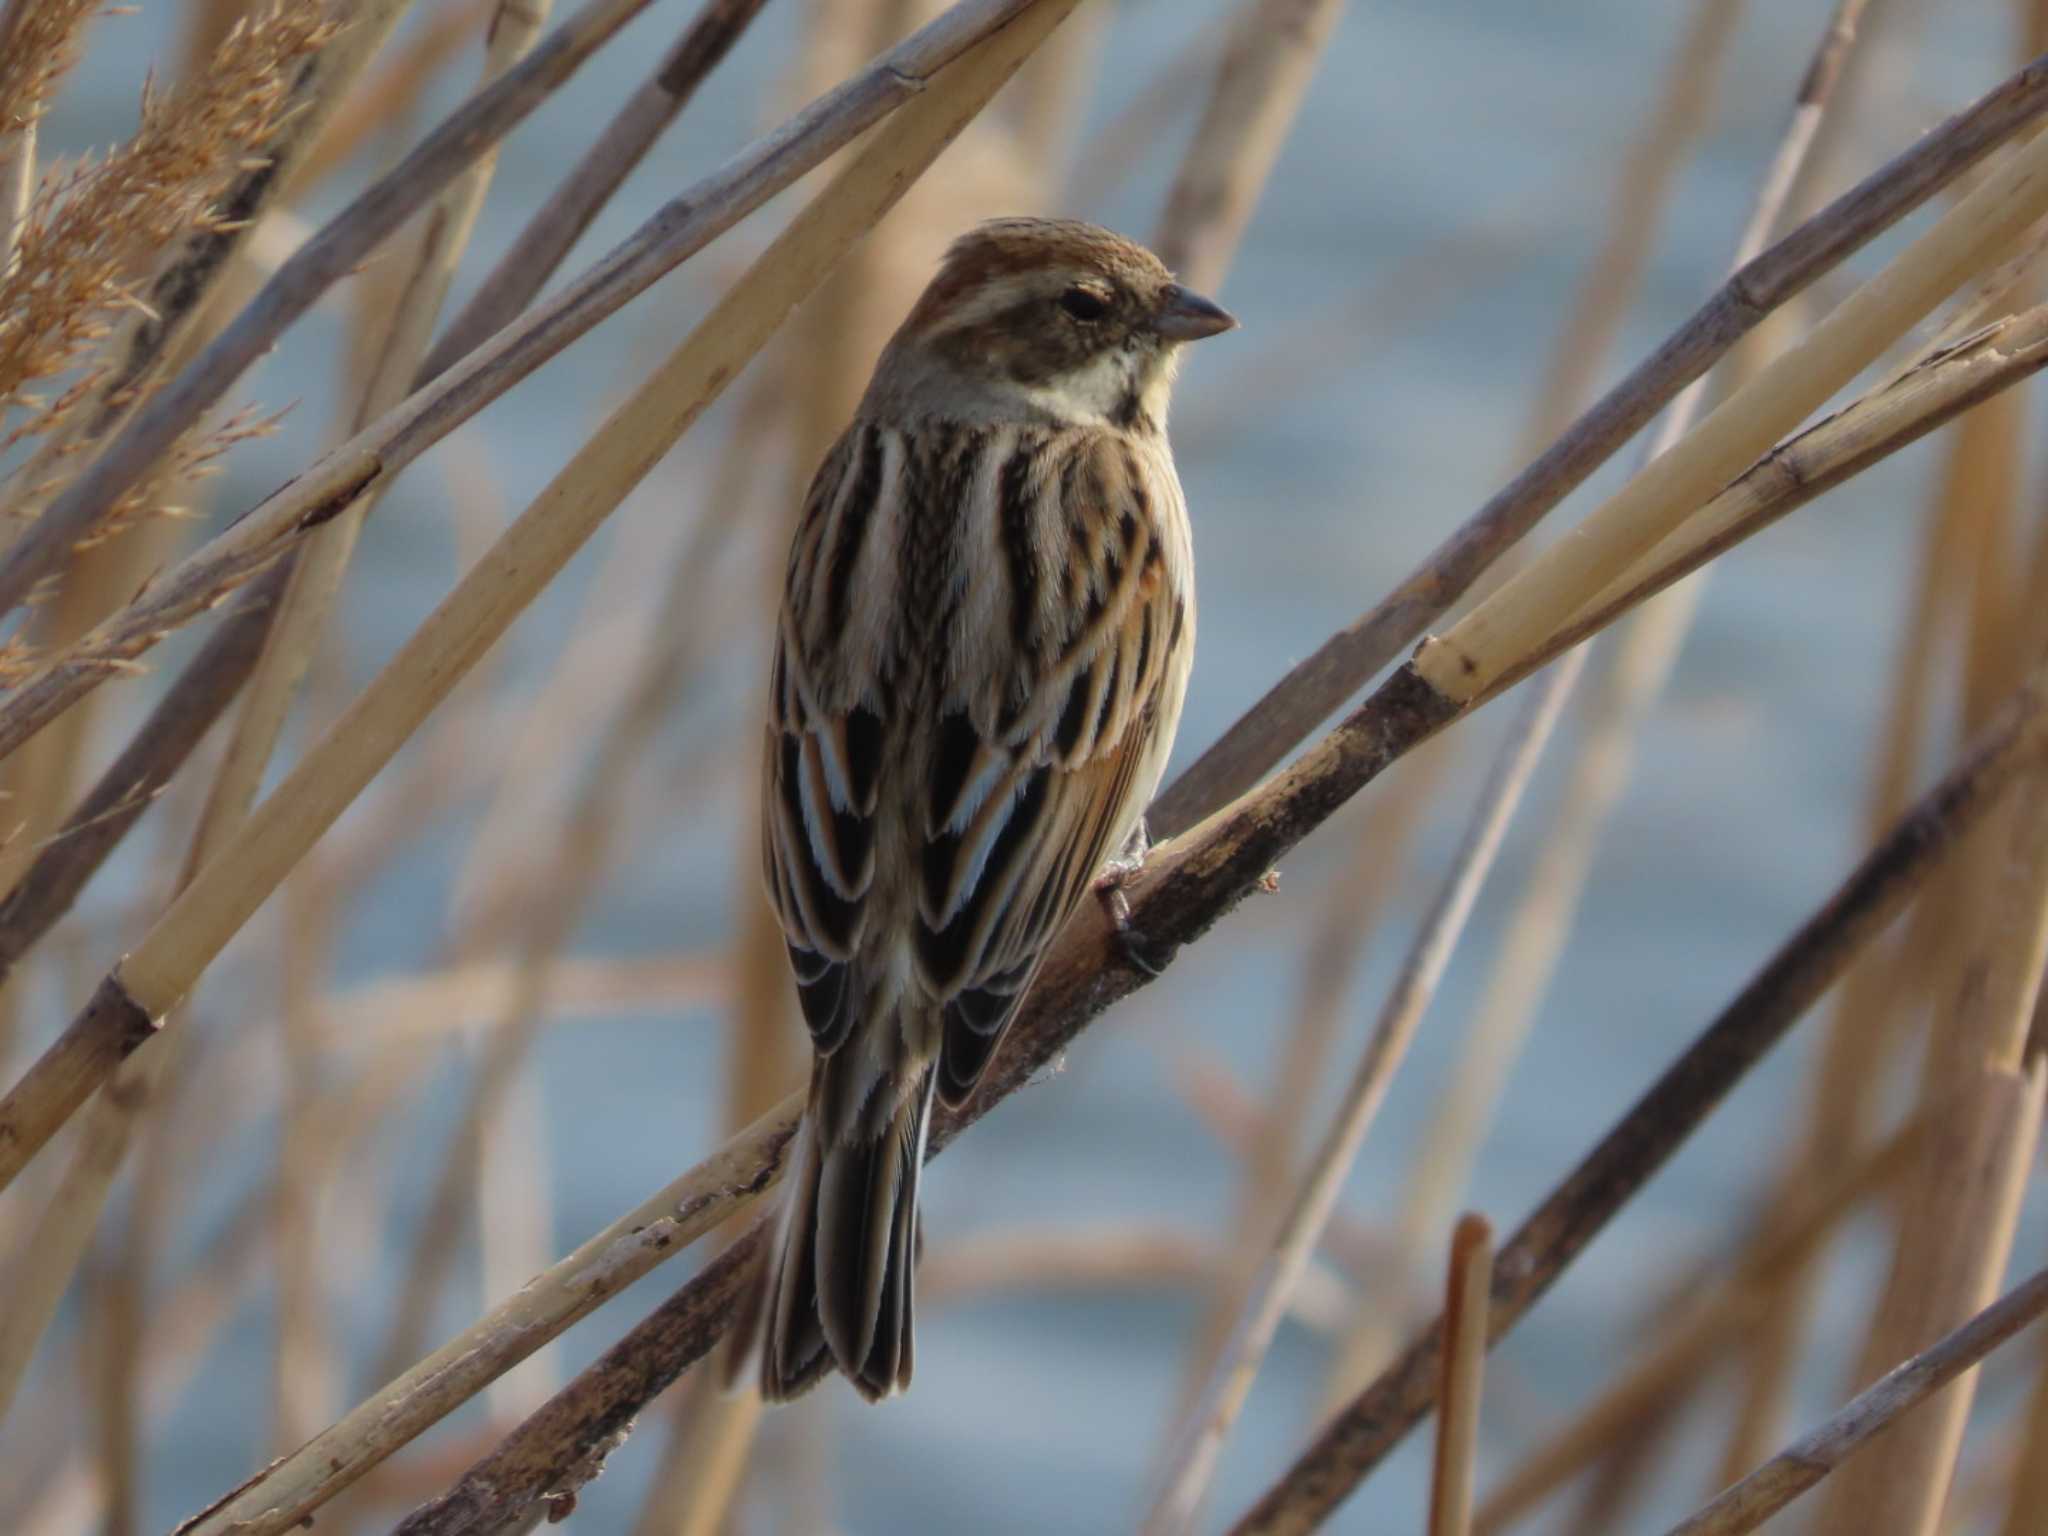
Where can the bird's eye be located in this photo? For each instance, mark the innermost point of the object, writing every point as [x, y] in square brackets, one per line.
[1084, 304]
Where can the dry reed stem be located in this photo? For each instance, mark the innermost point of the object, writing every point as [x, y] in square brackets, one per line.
[349, 237]
[1958, 1221]
[570, 877]
[1680, 110]
[168, 959]
[836, 338]
[1457, 1440]
[1144, 115]
[346, 472]
[1685, 1346]
[1316, 686]
[302, 1376]
[383, 102]
[1803, 968]
[1475, 652]
[1537, 927]
[1322, 1181]
[1862, 1029]
[427, 261]
[540, 248]
[1645, 651]
[1271, 1146]
[1928, 395]
[1266, 66]
[1813, 1456]
[283, 1494]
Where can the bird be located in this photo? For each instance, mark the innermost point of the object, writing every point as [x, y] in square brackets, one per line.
[984, 643]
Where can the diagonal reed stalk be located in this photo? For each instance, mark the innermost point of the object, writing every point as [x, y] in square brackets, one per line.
[1813, 1456]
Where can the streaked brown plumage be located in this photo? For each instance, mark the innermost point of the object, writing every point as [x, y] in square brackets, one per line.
[985, 639]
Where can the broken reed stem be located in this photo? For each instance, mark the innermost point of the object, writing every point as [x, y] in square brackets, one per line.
[1315, 1196]
[1457, 1440]
[1286, 714]
[335, 480]
[540, 248]
[1361, 1435]
[330, 255]
[1813, 1456]
[1265, 70]
[169, 958]
[1468, 658]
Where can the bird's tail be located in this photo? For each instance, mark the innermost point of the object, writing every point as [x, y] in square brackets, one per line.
[840, 1286]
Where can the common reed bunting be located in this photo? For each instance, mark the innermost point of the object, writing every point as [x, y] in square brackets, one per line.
[984, 642]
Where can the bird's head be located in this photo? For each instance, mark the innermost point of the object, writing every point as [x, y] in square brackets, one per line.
[1051, 318]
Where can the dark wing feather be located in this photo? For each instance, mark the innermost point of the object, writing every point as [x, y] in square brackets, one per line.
[822, 776]
[1025, 805]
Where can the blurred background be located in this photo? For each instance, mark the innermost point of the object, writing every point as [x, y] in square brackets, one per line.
[1412, 272]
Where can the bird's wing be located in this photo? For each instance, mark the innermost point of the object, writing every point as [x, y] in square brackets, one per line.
[1032, 781]
[822, 776]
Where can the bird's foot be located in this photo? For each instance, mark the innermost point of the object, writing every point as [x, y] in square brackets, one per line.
[1112, 884]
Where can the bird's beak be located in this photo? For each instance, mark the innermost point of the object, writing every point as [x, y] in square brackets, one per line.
[1186, 316]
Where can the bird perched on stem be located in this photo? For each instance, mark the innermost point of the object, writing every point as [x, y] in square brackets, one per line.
[984, 642]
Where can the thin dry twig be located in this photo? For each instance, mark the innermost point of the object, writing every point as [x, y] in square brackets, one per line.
[1315, 1197]
[1268, 60]
[1813, 1456]
[538, 249]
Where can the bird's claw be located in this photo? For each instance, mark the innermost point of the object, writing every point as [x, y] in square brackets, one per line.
[1111, 885]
